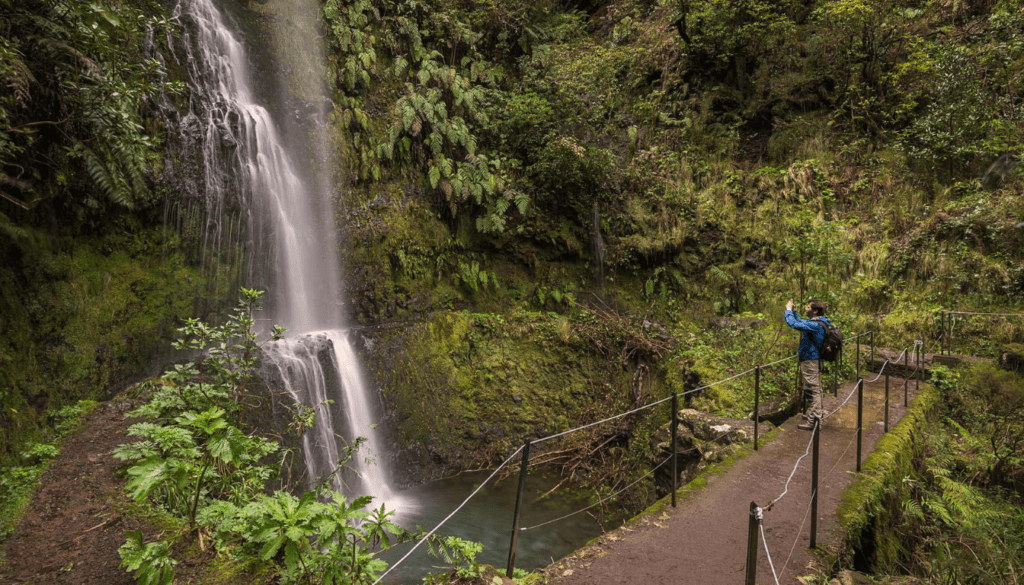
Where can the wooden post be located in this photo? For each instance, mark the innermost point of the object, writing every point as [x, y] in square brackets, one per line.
[515, 515]
[814, 483]
[860, 417]
[753, 524]
[675, 425]
[757, 402]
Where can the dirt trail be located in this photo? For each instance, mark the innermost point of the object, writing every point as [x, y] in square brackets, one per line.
[71, 532]
[703, 540]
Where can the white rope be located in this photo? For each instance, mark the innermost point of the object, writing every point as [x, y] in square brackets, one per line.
[991, 314]
[666, 399]
[766, 552]
[449, 517]
[799, 532]
[807, 451]
[718, 382]
[599, 502]
[779, 361]
[691, 449]
[836, 409]
[611, 418]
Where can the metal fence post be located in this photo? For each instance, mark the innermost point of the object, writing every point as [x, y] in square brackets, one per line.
[856, 361]
[906, 377]
[801, 398]
[860, 417]
[757, 402]
[519, 502]
[836, 366]
[920, 368]
[752, 527]
[814, 483]
[947, 333]
[675, 425]
[886, 400]
[872, 346]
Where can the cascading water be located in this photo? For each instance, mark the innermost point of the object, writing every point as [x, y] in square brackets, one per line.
[287, 212]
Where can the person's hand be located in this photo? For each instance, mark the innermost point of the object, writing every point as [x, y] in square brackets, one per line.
[789, 305]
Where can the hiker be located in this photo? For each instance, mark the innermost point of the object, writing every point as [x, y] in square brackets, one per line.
[814, 329]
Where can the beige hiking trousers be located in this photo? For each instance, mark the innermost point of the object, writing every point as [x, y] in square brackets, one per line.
[812, 387]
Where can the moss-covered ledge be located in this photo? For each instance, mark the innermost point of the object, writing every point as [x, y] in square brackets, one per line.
[862, 507]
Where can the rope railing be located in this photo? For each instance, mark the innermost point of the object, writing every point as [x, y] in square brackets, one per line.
[601, 501]
[807, 452]
[776, 362]
[646, 475]
[602, 421]
[449, 516]
[768, 554]
[949, 325]
[989, 314]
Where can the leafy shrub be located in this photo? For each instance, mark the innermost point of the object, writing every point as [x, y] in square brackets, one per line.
[194, 460]
[151, 563]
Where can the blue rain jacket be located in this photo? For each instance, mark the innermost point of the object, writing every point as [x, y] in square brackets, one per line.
[813, 334]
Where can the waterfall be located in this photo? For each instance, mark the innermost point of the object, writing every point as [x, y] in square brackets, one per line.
[284, 207]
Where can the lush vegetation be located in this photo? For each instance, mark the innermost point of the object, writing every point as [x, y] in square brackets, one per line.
[91, 286]
[948, 509]
[196, 459]
[682, 163]
[565, 208]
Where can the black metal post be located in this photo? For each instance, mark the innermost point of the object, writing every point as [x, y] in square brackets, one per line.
[886, 401]
[906, 378]
[872, 347]
[836, 366]
[920, 368]
[675, 425]
[519, 502]
[949, 333]
[801, 395]
[752, 527]
[757, 402]
[856, 361]
[814, 483]
[860, 417]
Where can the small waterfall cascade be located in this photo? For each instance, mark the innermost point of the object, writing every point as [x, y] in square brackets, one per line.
[284, 207]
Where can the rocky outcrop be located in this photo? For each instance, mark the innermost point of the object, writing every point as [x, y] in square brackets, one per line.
[701, 438]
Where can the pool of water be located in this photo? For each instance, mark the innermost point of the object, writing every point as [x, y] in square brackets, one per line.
[487, 519]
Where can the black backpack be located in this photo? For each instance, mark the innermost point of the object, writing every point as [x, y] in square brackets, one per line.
[829, 348]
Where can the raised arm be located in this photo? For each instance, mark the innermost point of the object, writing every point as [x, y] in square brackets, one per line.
[802, 324]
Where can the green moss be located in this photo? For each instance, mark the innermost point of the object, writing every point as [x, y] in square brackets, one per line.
[861, 510]
[87, 319]
[471, 387]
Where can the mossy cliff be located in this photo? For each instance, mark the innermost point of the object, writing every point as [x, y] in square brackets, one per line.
[82, 320]
[465, 389]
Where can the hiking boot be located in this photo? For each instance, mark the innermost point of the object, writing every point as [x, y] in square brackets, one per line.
[805, 426]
